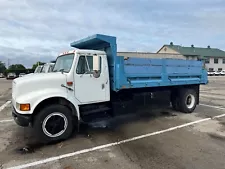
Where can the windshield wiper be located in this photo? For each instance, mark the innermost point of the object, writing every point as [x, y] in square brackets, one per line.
[61, 70]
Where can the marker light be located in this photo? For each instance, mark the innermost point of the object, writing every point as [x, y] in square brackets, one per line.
[25, 107]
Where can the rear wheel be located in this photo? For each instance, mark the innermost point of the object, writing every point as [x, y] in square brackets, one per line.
[187, 100]
[53, 123]
[175, 101]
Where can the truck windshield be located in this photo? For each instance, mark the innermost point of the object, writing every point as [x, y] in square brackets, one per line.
[64, 63]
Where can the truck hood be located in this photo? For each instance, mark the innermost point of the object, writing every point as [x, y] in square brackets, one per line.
[37, 81]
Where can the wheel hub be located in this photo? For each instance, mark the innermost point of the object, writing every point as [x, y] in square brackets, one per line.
[190, 101]
[55, 124]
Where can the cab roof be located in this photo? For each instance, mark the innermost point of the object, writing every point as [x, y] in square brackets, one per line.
[96, 42]
[82, 50]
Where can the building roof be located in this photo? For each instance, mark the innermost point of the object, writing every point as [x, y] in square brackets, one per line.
[197, 51]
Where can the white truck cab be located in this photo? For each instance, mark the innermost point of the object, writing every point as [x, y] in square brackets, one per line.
[79, 77]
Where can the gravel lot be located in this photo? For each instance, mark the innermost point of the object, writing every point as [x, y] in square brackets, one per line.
[176, 146]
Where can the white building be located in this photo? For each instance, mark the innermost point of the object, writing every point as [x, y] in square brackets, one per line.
[214, 58]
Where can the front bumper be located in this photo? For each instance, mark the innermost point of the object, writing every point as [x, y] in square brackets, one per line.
[21, 119]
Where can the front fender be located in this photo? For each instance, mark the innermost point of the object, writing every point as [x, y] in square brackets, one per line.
[72, 100]
[36, 97]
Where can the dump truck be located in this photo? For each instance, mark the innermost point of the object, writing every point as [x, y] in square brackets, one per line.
[91, 83]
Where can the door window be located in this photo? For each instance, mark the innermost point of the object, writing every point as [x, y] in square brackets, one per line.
[85, 65]
[82, 65]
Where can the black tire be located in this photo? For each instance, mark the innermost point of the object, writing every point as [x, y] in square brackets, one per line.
[174, 101]
[42, 121]
[187, 100]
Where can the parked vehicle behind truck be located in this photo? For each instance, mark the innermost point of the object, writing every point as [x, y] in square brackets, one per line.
[11, 75]
[92, 83]
[22, 74]
[38, 69]
[47, 67]
[2, 75]
[222, 73]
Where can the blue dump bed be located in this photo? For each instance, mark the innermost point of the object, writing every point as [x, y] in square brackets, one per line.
[144, 72]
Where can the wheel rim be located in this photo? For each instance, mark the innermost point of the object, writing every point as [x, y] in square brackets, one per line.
[190, 101]
[55, 124]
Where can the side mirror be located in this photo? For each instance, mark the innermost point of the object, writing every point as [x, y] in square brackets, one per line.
[96, 63]
[96, 66]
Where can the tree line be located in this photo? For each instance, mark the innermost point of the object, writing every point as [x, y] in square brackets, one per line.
[18, 68]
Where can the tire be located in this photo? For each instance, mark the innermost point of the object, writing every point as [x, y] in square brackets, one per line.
[187, 100]
[174, 101]
[42, 124]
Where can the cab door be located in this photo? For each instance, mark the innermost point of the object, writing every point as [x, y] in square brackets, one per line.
[89, 89]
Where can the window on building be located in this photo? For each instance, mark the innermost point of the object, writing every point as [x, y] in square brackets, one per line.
[220, 69]
[223, 61]
[211, 69]
[207, 60]
[216, 60]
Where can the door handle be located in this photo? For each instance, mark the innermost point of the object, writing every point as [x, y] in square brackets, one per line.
[103, 86]
[62, 85]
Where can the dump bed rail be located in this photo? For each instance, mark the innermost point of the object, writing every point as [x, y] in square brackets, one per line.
[126, 55]
[144, 72]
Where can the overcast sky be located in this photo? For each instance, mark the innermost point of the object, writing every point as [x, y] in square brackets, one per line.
[44, 28]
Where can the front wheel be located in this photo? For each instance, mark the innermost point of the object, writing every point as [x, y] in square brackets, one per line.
[53, 123]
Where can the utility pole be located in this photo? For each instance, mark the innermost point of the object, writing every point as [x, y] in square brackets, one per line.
[8, 62]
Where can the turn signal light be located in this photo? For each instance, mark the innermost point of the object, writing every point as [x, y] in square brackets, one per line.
[69, 83]
[24, 107]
